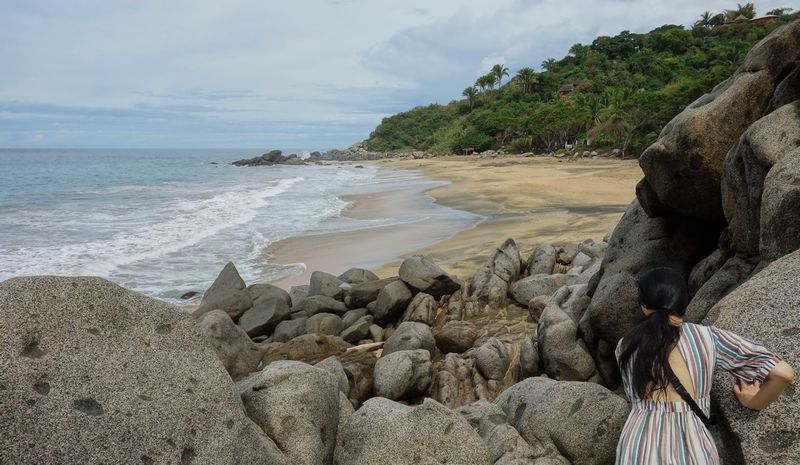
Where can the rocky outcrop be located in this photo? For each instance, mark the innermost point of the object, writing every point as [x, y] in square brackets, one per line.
[505, 444]
[542, 260]
[639, 243]
[422, 274]
[383, 431]
[683, 168]
[566, 416]
[134, 373]
[264, 316]
[763, 309]
[762, 145]
[779, 224]
[490, 283]
[355, 276]
[563, 353]
[273, 157]
[325, 284]
[405, 374]
[456, 336]
[492, 359]
[235, 349]
[228, 293]
[421, 309]
[297, 406]
[392, 300]
[524, 290]
[410, 336]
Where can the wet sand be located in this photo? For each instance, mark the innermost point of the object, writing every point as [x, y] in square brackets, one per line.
[533, 200]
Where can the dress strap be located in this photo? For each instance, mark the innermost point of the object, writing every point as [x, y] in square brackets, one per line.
[676, 383]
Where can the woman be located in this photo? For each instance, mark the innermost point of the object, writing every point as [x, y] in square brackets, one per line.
[662, 428]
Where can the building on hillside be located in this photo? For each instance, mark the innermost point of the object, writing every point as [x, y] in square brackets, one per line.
[764, 20]
[761, 20]
[573, 86]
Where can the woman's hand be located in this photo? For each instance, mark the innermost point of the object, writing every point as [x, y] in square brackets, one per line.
[745, 392]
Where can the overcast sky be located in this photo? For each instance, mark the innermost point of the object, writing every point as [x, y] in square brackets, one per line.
[266, 73]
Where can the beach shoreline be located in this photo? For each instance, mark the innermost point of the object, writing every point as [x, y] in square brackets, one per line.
[532, 200]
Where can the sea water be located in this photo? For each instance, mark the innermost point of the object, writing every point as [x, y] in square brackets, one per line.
[163, 222]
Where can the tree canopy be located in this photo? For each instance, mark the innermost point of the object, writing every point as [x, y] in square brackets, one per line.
[617, 92]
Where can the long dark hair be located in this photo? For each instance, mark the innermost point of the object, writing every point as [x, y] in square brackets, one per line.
[645, 348]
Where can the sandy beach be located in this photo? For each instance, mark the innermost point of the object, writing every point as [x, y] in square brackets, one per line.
[533, 200]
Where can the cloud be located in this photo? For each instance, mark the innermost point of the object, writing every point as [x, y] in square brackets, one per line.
[319, 73]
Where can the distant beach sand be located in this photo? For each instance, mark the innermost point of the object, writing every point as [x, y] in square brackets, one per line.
[533, 200]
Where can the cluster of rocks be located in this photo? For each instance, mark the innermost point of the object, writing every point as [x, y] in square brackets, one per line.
[349, 369]
[357, 152]
[273, 157]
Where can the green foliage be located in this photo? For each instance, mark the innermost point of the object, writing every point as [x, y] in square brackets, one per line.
[617, 92]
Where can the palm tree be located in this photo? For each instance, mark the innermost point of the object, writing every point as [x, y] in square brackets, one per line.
[748, 10]
[498, 71]
[527, 79]
[549, 64]
[471, 93]
[485, 82]
[705, 20]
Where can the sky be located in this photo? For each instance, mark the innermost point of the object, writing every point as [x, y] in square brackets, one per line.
[311, 74]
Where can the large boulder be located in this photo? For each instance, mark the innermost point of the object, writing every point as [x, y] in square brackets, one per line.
[94, 373]
[490, 283]
[314, 304]
[309, 348]
[763, 145]
[324, 323]
[363, 294]
[383, 431]
[358, 331]
[787, 91]
[422, 274]
[582, 421]
[264, 291]
[264, 316]
[639, 244]
[410, 336]
[421, 309]
[298, 293]
[506, 446]
[333, 366]
[289, 329]
[707, 267]
[325, 284]
[492, 359]
[764, 310]
[779, 221]
[355, 276]
[297, 406]
[542, 260]
[392, 300]
[405, 374]
[228, 293]
[352, 316]
[234, 348]
[683, 168]
[539, 284]
[563, 352]
[456, 336]
[734, 272]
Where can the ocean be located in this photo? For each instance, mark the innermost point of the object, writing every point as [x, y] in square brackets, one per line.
[164, 222]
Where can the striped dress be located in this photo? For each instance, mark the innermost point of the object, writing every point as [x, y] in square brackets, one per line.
[669, 433]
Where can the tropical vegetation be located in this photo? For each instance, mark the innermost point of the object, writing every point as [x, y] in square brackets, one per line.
[615, 93]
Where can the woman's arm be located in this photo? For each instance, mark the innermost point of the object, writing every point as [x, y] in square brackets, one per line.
[758, 396]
